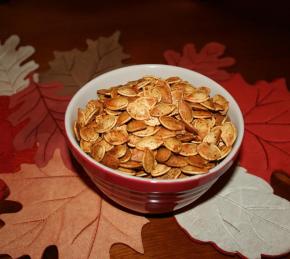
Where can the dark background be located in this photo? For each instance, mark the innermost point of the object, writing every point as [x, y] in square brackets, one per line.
[256, 33]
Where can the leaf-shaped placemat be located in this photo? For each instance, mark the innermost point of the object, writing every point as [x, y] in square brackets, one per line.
[42, 113]
[163, 238]
[244, 216]
[60, 209]
[13, 73]
[208, 61]
[75, 68]
[10, 159]
[266, 110]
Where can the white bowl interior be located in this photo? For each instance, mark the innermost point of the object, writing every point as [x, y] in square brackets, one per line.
[125, 74]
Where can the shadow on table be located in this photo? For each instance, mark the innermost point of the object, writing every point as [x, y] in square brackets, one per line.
[217, 187]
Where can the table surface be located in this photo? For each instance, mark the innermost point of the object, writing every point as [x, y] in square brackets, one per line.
[256, 36]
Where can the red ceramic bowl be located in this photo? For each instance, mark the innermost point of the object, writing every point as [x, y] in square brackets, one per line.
[141, 194]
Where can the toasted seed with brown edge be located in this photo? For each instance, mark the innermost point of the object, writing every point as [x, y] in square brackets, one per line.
[131, 164]
[201, 114]
[85, 115]
[197, 96]
[188, 89]
[202, 126]
[141, 173]
[106, 145]
[149, 101]
[127, 91]
[171, 123]
[126, 157]
[76, 131]
[185, 137]
[177, 95]
[162, 109]
[176, 161]
[119, 150]
[123, 118]
[139, 110]
[173, 173]
[151, 142]
[219, 119]
[104, 123]
[116, 103]
[159, 170]
[149, 131]
[137, 155]
[173, 80]
[127, 171]
[133, 140]
[153, 121]
[209, 151]
[110, 161]
[136, 126]
[197, 106]
[209, 104]
[225, 150]
[220, 100]
[172, 144]
[197, 161]
[229, 133]
[148, 160]
[104, 92]
[192, 170]
[112, 112]
[165, 133]
[86, 146]
[89, 134]
[211, 122]
[165, 91]
[185, 111]
[117, 136]
[152, 92]
[188, 149]
[213, 137]
[163, 154]
[98, 152]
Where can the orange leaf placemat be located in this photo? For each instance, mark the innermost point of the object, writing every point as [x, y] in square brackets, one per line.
[58, 208]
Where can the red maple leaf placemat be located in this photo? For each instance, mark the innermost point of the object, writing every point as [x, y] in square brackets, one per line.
[208, 61]
[266, 110]
[13, 78]
[42, 111]
[10, 157]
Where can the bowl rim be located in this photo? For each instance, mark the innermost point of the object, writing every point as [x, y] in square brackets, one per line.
[73, 143]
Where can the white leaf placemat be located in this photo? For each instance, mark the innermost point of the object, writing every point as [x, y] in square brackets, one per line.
[244, 216]
[13, 72]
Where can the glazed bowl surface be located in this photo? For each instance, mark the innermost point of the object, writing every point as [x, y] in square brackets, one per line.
[142, 194]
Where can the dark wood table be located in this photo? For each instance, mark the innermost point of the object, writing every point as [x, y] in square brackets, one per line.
[256, 35]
